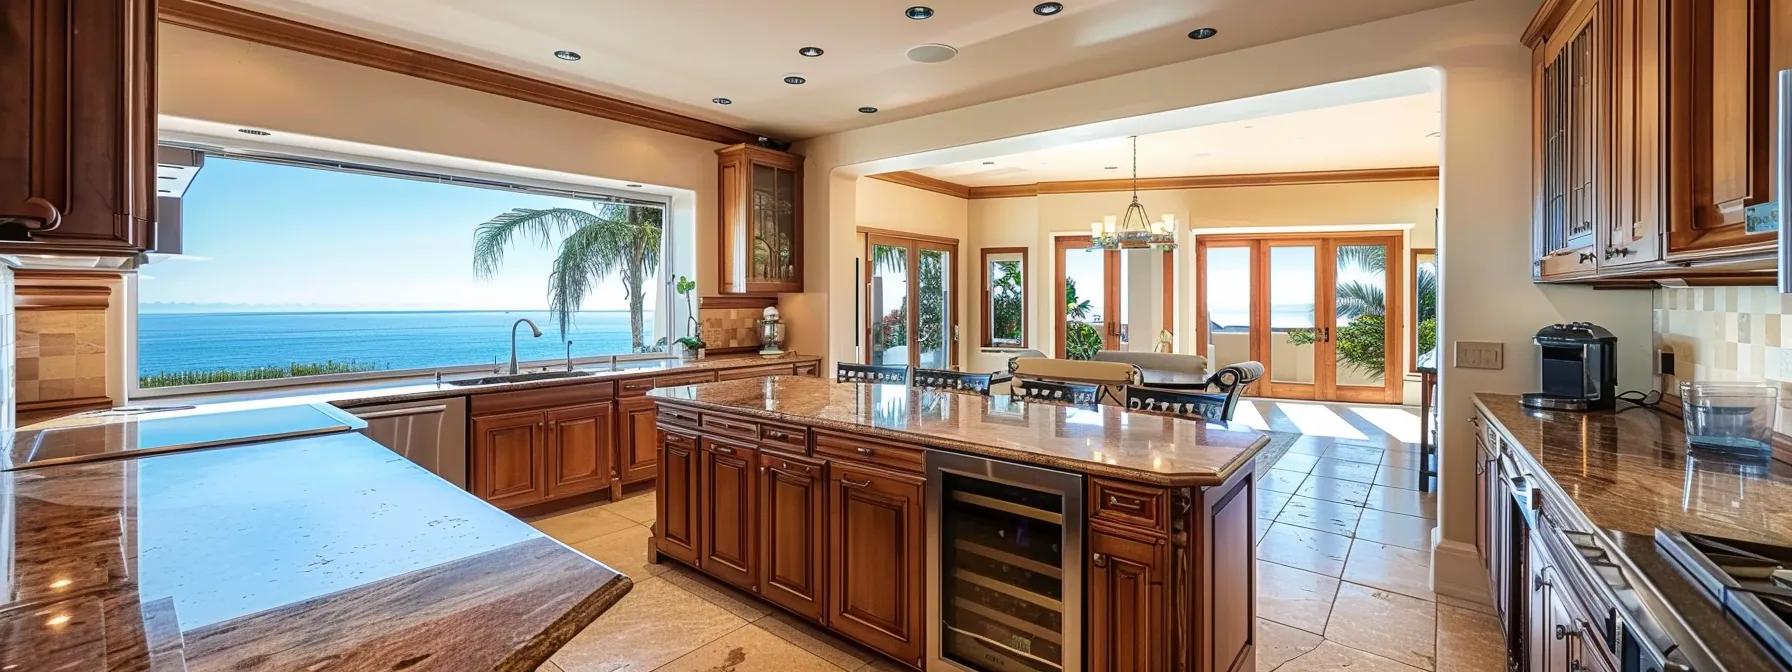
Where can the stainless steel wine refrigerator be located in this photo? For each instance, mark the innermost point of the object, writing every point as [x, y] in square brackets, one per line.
[1004, 566]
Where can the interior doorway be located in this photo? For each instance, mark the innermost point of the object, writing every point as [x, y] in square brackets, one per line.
[1322, 312]
[1112, 299]
[911, 302]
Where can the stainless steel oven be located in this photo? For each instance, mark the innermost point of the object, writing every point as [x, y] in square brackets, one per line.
[1004, 566]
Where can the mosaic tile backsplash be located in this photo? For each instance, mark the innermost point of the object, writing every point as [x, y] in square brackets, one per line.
[1741, 334]
[730, 327]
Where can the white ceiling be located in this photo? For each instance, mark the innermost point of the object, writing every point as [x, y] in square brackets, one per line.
[1395, 132]
[678, 54]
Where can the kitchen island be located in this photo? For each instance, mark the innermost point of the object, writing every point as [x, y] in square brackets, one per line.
[826, 499]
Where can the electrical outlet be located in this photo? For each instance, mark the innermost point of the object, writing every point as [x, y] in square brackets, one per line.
[1664, 362]
[1480, 355]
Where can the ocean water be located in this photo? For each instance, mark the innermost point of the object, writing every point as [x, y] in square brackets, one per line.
[387, 340]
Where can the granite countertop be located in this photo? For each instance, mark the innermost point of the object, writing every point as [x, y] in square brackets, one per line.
[242, 559]
[114, 436]
[1630, 471]
[1103, 441]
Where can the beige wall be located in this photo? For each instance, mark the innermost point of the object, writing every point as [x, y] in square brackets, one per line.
[1483, 74]
[895, 207]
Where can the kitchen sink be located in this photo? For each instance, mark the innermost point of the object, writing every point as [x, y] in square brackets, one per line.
[520, 378]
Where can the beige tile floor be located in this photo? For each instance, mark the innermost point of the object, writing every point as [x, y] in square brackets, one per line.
[1342, 532]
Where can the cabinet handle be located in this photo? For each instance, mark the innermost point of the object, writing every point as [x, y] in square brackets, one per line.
[725, 450]
[1099, 560]
[1129, 503]
[40, 209]
[865, 451]
[849, 483]
[1589, 256]
[776, 435]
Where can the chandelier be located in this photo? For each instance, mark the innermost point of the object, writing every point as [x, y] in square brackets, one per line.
[1133, 229]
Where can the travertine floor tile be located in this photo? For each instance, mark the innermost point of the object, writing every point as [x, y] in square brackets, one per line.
[654, 624]
[810, 638]
[625, 551]
[580, 525]
[1398, 529]
[1355, 453]
[1334, 490]
[1402, 570]
[750, 649]
[1397, 477]
[1399, 500]
[1481, 607]
[1277, 644]
[1345, 470]
[1318, 514]
[549, 666]
[1269, 503]
[1295, 597]
[1386, 624]
[1279, 480]
[1297, 462]
[1331, 656]
[638, 508]
[740, 605]
[1311, 550]
[1469, 641]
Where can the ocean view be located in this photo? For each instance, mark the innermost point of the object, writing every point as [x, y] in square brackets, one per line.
[169, 342]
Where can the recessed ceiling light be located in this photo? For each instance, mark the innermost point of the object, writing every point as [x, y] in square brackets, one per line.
[932, 53]
[1048, 8]
[634, 186]
[1202, 33]
[868, 110]
[1110, 167]
[252, 131]
[989, 163]
[918, 12]
[811, 52]
[721, 101]
[565, 55]
[795, 80]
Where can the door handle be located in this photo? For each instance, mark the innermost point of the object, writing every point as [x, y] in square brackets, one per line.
[849, 483]
[725, 450]
[1099, 560]
[40, 209]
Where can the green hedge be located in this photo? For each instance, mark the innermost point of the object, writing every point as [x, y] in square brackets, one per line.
[200, 377]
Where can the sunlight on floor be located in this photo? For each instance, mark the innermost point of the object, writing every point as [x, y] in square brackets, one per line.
[1318, 420]
[1400, 423]
[1247, 415]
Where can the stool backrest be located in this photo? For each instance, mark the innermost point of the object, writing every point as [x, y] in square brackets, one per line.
[955, 381]
[870, 373]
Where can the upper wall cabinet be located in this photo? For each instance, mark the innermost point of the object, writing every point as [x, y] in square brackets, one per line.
[761, 226]
[1652, 137]
[77, 147]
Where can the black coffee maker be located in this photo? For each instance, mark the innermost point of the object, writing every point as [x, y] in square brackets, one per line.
[1580, 368]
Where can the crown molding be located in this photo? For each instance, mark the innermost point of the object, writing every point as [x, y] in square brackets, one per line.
[1412, 174]
[919, 181]
[214, 17]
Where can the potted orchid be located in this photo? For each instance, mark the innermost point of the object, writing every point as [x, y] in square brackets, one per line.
[694, 348]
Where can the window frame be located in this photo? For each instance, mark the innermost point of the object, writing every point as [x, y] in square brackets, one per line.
[986, 309]
[914, 243]
[667, 313]
[1412, 359]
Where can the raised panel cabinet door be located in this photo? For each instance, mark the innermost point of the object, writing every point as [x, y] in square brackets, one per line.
[1483, 529]
[578, 449]
[77, 151]
[1126, 618]
[637, 446]
[508, 455]
[675, 497]
[792, 522]
[1732, 113]
[728, 523]
[1649, 176]
[876, 567]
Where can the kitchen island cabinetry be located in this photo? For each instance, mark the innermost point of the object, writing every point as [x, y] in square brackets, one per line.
[839, 521]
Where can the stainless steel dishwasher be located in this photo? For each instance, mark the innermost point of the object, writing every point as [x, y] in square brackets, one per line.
[1004, 566]
[431, 433]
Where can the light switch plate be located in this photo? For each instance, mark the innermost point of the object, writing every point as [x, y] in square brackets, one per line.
[1480, 355]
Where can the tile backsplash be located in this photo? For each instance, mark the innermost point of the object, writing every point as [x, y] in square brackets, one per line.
[1741, 334]
[733, 328]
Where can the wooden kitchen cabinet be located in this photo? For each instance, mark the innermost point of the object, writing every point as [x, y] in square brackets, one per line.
[727, 481]
[1126, 601]
[761, 222]
[793, 521]
[637, 440]
[1650, 177]
[578, 449]
[508, 452]
[1731, 113]
[675, 509]
[77, 151]
[876, 567]
[1567, 105]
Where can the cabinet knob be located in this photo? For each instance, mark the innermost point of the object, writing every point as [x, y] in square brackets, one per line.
[865, 451]
[1099, 560]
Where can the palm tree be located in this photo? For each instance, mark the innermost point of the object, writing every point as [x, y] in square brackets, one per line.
[1075, 309]
[616, 239]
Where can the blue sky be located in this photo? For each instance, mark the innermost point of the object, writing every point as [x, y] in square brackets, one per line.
[262, 236]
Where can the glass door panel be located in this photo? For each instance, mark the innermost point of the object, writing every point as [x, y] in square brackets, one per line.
[1226, 282]
[1360, 327]
[1292, 340]
[1086, 309]
[933, 332]
[889, 338]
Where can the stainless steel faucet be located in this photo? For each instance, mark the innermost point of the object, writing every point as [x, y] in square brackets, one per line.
[532, 328]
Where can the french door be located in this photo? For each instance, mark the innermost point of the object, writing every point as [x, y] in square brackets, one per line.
[911, 302]
[1110, 299]
[1321, 312]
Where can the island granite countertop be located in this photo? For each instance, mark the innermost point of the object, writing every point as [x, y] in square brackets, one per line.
[1101, 441]
[313, 553]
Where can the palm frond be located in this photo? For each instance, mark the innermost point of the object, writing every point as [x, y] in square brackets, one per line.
[571, 277]
[1356, 299]
[493, 237]
[1370, 258]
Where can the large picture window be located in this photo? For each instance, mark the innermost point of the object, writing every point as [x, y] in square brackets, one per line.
[293, 269]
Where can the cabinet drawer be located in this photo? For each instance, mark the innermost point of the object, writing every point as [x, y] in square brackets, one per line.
[912, 459]
[1129, 504]
[634, 387]
[678, 416]
[558, 396]
[755, 372]
[786, 437]
[739, 427]
[682, 379]
[808, 369]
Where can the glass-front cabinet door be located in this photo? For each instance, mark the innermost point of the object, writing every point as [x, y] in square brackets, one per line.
[761, 220]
